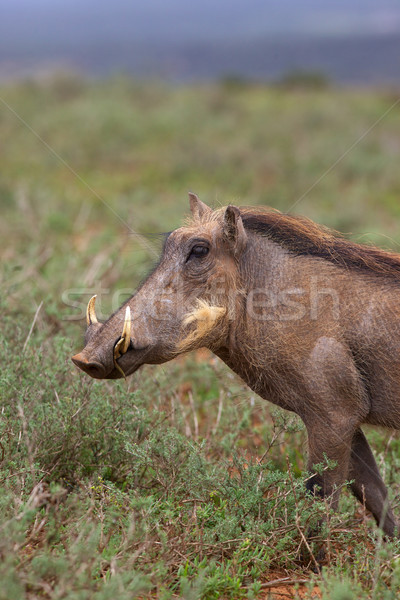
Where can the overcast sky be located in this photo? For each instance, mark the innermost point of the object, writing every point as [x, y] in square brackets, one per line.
[180, 20]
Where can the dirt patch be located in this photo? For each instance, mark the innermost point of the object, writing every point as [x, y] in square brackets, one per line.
[284, 588]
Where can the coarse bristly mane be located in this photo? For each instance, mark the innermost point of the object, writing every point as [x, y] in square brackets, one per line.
[303, 237]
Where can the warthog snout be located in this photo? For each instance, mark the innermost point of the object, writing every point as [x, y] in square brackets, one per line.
[92, 368]
[110, 351]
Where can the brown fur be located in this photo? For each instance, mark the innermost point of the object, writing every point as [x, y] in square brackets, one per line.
[303, 237]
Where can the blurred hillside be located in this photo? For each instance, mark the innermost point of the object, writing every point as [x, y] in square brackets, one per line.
[350, 42]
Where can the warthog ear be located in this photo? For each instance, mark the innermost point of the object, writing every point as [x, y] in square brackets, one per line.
[197, 207]
[234, 230]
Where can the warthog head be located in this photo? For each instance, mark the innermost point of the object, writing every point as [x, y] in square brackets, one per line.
[186, 303]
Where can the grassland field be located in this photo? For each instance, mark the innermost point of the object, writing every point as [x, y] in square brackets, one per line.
[178, 483]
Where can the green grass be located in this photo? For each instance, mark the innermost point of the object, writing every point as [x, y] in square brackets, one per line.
[175, 484]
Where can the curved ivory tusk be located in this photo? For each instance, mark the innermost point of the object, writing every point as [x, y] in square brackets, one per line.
[118, 349]
[91, 311]
[126, 332]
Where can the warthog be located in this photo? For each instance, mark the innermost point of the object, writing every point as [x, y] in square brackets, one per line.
[309, 320]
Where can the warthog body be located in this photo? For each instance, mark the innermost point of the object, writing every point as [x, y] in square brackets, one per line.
[309, 320]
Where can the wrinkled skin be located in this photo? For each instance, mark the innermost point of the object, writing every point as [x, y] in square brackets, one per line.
[326, 345]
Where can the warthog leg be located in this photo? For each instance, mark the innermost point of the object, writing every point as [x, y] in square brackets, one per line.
[368, 485]
[326, 441]
[335, 444]
[354, 461]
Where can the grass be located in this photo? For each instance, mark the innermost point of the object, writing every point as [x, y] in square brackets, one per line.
[179, 483]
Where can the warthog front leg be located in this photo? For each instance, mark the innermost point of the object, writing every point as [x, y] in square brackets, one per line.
[354, 461]
[368, 485]
[327, 440]
[336, 408]
[333, 443]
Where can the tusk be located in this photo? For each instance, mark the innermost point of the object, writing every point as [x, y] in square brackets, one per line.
[126, 332]
[91, 311]
[118, 349]
[123, 344]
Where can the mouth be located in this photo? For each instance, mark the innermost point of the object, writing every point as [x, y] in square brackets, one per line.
[126, 365]
[116, 373]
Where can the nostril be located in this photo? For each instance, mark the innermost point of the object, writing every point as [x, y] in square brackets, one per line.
[94, 369]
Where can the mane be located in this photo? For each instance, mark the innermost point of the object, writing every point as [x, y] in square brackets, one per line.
[303, 237]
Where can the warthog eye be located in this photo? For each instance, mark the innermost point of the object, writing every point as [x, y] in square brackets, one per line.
[198, 251]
